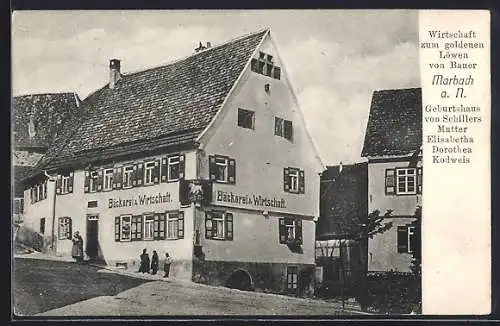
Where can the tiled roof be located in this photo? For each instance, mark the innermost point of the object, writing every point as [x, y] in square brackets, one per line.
[46, 112]
[395, 123]
[171, 104]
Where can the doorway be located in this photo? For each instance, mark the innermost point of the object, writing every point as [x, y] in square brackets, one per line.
[92, 237]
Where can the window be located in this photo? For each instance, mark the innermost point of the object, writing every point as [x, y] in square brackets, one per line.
[403, 181]
[406, 239]
[64, 228]
[291, 278]
[172, 225]
[246, 118]
[64, 184]
[108, 179]
[173, 168]
[264, 65]
[149, 168]
[94, 181]
[42, 225]
[128, 176]
[222, 169]
[290, 229]
[18, 205]
[125, 228]
[38, 192]
[219, 225]
[136, 228]
[294, 180]
[283, 128]
[148, 227]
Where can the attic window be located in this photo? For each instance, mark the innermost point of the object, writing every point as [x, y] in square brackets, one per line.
[264, 65]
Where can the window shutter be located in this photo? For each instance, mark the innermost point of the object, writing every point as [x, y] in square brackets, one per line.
[156, 227]
[156, 172]
[182, 166]
[32, 195]
[117, 177]
[139, 175]
[100, 177]
[288, 129]
[180, 230]
[70, 227]
[402, 239]
[419, 180]
[302, 182]
[212, 167]
[164, 169]
[298, 231]
[86, 183]
[208, 225]
[229, 226]
[282, 230]
[232, 171]
[140, 226]
[117, 228]
[277, 73]
[45, 185]
[58, 184]
[161, 226]
[286, 179]
[134, 176]
[70, 184]
[390, 182]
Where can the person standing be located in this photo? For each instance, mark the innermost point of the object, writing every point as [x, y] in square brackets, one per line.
[166, 265]
[77, 249]
[154, 263]
[144, 267]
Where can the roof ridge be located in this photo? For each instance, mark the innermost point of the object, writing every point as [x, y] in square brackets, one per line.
[50, 93]
[174, 61]
[396, 89]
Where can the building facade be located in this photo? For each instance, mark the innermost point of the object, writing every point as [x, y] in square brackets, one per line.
[37, 119]
[207, 158]
[392, 146]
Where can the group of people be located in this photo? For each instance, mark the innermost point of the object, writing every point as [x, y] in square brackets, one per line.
[152, 265]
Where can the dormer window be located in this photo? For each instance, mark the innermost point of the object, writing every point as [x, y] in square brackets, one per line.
[264, 65]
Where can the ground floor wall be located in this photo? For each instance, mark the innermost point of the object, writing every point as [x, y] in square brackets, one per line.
[263, 277]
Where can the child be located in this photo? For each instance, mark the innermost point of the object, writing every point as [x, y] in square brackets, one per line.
[166, 265]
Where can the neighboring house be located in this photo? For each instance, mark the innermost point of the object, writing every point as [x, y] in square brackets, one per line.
[36, 121]
[343, 207]
[392, 146]
[207, 158]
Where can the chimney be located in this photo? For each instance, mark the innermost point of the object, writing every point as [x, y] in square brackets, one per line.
[209, 45]
[114, 72]
[340, 167]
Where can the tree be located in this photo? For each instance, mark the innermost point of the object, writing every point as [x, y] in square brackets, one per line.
[416, 263]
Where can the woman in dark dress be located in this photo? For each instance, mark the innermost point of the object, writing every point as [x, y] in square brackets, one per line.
[154, 263]
[77, 249]
[144, 268]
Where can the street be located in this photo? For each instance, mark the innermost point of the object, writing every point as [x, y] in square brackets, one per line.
[66, 289]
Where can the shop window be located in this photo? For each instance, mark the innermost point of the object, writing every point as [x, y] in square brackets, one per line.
[403, 181]
[108, 179]
[406, 239]
[64, 184]
[219, 225]
[294, 180]
[222, 169]
[291, 278]
[246, 118]
[42, 225]
[283, 128]
[290, 230]
[64, 228]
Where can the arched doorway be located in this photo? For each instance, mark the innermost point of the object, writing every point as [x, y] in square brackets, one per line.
[241, 280]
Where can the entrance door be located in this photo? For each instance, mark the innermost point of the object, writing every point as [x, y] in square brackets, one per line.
[92, 236]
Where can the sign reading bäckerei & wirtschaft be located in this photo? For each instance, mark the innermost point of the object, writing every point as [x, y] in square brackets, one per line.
[140, 200]
[252, 200]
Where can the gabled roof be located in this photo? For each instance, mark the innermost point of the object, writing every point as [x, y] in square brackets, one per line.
[395, 123]
[38, 118]
[163, 106]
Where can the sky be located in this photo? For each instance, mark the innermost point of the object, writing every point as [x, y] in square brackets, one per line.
[335, 58]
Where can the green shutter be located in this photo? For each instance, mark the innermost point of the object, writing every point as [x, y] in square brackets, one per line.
[164, 169]
[419, 180]
[298, 231]
[70, 227]
[208, 225]
[282, 230]
[212, 167]
[134, 176]
[161, 226]
[232, 171]
[182, 166]
[156, 172]
[402, 239]
[139, 174]
[156, 227]
[58, 184]
[100, 179]
[390, 182]
[70, 183]
[117, 228]
[302, 182]
[229, 226]
[117, 177]
[180, 230]
[286, 179]
[86, 184]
